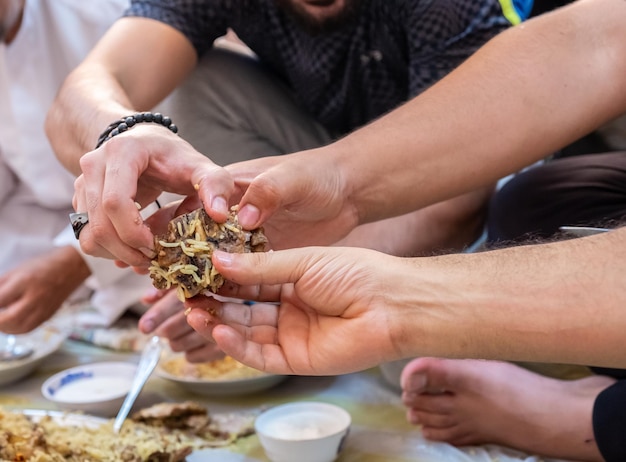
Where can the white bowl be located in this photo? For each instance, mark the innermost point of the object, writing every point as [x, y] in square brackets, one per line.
[45, 340]
[223, 380]
[303, 431]
[98, 388]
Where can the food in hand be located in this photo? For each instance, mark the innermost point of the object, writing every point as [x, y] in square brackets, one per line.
[183, 259]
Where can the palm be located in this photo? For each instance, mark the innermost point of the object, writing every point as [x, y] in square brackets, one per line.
[319, 325]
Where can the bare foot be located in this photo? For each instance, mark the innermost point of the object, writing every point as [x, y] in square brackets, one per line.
[465, 402]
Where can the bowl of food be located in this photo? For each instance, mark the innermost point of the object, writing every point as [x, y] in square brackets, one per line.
[221, 377]
[98, 388]
[303, 431]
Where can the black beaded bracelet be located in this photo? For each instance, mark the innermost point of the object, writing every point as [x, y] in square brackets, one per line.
[123, 124]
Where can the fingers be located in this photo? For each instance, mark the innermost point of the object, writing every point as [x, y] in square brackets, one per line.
[158, 315]
[23, 316]
[247, 333]
[236, 343]
[207, 352]
[136, 167]
[264, 195]
[215, 187]
[166, 318]
[100, 237]
[245, 172]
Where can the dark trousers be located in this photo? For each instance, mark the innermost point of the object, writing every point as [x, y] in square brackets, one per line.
[588, 190]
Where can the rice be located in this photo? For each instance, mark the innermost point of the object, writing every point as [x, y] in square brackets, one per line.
[23, 438]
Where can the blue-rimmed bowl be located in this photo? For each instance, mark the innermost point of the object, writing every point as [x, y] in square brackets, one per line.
[98, 388]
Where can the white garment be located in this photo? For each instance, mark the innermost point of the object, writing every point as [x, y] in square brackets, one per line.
[35, 189]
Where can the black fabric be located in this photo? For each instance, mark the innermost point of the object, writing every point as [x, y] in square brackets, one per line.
[587, 190]
[388, 52]
[609, 422]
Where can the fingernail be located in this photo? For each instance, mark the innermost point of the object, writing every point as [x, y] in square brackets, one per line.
[219, 204]
[148, 325]
[249, 216]
[224, 258]
[147, 252]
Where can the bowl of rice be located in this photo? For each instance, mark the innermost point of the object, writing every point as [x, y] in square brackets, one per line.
[221, 377]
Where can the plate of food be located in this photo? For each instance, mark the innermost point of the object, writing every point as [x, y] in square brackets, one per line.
[165, 431]
[222, 377]
[44, 341]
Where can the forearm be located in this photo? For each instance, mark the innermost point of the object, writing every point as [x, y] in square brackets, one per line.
[528, 92]
[448, 226]
[109, 85]
[80, 114]
[559, 302]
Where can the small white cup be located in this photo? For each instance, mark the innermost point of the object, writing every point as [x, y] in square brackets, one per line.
[303, 432]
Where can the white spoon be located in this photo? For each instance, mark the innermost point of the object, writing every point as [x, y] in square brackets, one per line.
[148, 361]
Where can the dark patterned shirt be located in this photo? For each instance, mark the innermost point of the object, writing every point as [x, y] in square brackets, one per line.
[390, 51]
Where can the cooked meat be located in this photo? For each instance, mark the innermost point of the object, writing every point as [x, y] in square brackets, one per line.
[184, 254]
[184, 416]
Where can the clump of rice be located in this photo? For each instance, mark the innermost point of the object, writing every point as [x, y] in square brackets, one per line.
[183, 259]
[220, 369]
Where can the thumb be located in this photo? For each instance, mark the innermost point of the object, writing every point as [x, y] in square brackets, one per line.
[265, 268]
[267, 193]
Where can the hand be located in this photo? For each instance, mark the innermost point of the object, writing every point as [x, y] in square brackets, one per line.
[166, 318]
[300, 199]
[334, 311]
[136, 167]
[31, 293]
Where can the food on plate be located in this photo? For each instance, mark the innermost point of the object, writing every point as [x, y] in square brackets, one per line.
[193, 418]
[221, 369]
[50, 439]
[184, 253]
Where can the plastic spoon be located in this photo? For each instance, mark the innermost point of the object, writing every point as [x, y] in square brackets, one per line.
[147, 363]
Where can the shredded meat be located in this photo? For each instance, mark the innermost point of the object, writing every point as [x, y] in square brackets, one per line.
[184, 253]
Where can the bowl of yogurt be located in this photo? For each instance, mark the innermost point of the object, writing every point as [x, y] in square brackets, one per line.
[98, 388]
[304, 431]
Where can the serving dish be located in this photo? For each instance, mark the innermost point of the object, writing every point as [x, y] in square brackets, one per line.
[140, 441]
[45, 340]
[216, 378]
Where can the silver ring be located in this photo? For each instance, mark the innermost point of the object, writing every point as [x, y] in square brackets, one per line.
[78, 221]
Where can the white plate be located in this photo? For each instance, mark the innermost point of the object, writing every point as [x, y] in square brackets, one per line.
[219, 387]
[65, 418]
[45, 340]
[90, 421]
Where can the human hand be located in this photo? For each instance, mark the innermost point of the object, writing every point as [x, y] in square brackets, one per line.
[136, 167]
[166, 318]
[299, 199]
[31, 293]
[332, 311]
